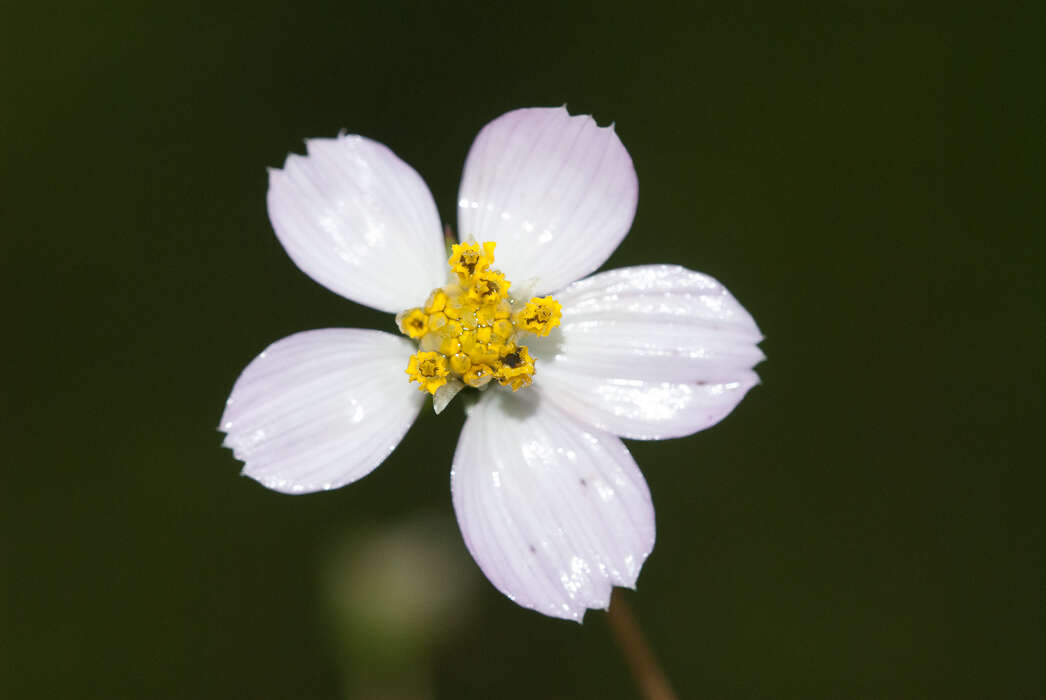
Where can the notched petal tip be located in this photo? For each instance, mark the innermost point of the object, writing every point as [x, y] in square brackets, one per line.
[318, 144]
[565, 109]
[554, 513]
[556, 191]
[358, 220]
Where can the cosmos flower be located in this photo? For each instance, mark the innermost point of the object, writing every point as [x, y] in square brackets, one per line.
[550, 503]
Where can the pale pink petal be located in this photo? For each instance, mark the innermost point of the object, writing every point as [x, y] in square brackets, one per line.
[554, 512]
[557, 193]
[359, 221]
[322, 408]
[649, 352]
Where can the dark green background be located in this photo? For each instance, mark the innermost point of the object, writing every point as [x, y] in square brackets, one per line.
[867, 181]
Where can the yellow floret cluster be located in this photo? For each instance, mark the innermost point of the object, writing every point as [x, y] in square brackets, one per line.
[469, 330]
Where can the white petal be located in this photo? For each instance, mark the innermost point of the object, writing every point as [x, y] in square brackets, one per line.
[322, 408]
[359, 221]
[649, 352]
[555, 513]
[556, 193]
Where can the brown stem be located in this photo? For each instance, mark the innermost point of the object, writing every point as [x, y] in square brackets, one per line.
[646, 671]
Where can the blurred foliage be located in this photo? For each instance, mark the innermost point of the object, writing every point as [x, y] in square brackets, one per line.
[866, 180]
[392, 597]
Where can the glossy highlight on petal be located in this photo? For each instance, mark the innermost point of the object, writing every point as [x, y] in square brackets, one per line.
[649, 352]
[320, 409]
[556, 192]
[554, 512]
[359, 221]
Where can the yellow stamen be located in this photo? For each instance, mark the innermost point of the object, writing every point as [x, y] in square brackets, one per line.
[467, 330]
[489, 313]
[488, 288]
[429, 370]
[478, 375]
[502, 329]
[449, 346]
[437, 301]
[413, 323]
[437, 321]
[516, 369]
[539, 316]
[467, 259]
[460, 363]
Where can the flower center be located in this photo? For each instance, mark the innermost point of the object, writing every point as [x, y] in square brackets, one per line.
[469, 331]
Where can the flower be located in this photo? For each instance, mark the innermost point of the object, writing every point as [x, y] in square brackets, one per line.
[550, 503]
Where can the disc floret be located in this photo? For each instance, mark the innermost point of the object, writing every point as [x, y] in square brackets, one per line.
[539, 316]
[469, 330]
[428, 369]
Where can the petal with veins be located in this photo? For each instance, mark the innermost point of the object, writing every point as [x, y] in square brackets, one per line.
[649, 352]
[556, 193]
[320, 409]
[359, 221]
[554, 512]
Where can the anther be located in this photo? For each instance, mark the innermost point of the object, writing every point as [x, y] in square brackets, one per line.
[467, 330]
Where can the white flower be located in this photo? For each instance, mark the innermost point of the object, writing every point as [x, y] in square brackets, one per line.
[550, 502]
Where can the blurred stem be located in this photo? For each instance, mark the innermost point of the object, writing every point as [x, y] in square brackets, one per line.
[646, 671]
